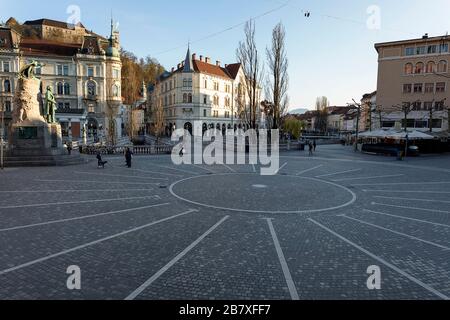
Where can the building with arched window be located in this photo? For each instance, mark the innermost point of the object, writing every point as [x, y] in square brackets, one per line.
[82, 67]
[200, 91]
[413, 75]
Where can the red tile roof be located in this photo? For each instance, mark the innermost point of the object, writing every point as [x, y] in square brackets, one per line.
[51, 23]
[48, 48]
[211, 69]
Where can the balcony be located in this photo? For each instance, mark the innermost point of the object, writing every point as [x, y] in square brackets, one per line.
[91, 97]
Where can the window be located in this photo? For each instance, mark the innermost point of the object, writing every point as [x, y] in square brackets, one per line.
[7, 86]
[216, 100]
[206, 84]
[419, 68]
[190, 98]
[205, 99]
[388, 124]
[8, 106]
[166, 101]
[116, 73]
[185, 98]
[437, 123]
[421, 124]
[431, 67]
[442, 66]
[407, 88]
[421, 50]
[66, 70]
[427, 106]
[443, 48]
[432, 49]
[90, 72]
[227, 102]
[91, 88]
[59, 70]
[6, 66]
[60, 88]
[429, 87]
[409, 51]
[440, 87]
[216, 86]
[187, 83]
[410, 123]
[227, 114]
[439, 106]
[215, 114]
[409, 68]
[416, 106]
[66, 89]
[60, 105]
[418, 88]
[67, 105]
[204, 113]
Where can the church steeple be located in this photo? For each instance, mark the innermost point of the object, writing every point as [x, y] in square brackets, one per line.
[188, 64]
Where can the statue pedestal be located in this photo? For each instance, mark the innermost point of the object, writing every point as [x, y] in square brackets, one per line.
[35, 139]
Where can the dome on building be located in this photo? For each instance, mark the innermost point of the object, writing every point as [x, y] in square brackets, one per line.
[112, 52]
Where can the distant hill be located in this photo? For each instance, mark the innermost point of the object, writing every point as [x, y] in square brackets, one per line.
[298, 111]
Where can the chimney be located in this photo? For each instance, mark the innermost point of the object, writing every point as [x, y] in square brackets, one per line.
[194, 57]
[425, 36]
[208, 60]
[218, 63]
[201, 58]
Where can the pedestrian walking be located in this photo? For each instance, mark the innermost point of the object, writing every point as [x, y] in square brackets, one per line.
[311, 147]
[128, 157]
[182, 151]
[315, 145]
[69, 148]
[101, 163]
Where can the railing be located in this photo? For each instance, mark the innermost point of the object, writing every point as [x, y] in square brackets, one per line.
[120, 150]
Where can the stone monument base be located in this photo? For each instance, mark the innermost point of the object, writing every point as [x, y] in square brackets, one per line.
[35, 139]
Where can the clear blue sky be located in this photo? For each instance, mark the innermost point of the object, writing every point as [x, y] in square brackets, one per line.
[330, 54]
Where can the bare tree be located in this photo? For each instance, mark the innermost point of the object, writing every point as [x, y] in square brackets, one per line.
[321, 123]
[156, 113]
[247, 55]
[278, 80]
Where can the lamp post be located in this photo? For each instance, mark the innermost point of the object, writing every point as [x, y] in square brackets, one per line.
[358, 106]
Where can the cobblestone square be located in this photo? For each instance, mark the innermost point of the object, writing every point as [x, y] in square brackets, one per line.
[160, 231]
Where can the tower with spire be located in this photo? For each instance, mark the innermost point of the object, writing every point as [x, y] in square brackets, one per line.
[113, 67]
[188, 64]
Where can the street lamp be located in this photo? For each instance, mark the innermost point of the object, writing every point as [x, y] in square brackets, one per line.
[358, 106]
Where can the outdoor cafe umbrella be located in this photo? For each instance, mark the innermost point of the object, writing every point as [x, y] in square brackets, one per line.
[410, 135]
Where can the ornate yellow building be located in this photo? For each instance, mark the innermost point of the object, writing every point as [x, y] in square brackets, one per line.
[83, 68]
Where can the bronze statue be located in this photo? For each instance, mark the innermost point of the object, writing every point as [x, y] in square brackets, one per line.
[49, 106]
[29, 71]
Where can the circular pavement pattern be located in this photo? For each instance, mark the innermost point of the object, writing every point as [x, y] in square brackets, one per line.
[251, 193]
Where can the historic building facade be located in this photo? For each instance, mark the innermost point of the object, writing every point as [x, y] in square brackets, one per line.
[413, 83]
[198, 90]
[83, 69]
